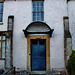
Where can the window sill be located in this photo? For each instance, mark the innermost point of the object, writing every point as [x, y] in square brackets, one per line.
[1, 23]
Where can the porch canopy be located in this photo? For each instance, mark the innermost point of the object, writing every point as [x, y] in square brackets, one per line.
[38, 28]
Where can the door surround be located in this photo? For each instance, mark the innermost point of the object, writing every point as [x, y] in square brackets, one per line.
[29, 51]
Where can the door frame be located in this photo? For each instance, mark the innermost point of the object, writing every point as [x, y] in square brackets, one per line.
[29, 51]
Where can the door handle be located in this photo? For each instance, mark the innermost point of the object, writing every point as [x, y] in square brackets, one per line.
[38, 57]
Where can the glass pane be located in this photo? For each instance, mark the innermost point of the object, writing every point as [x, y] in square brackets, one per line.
[34, 14]
[0, 49]
[41, 9]
[41, 3]
[34, 4]
[1, 17]
[37, 3]
[10, 20]
[3, 37]
[38, 19]
[0, 52]
[37, 8]
[42, 16]
[34, 18]
[38, 14]
[3, 44]
[1, 7]
[3, 52]
[0, 37]
[3, 49]
[1, 10]
[34, 9]
[1, 4]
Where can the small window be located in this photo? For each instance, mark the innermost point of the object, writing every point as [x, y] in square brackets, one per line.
[2, 46]
[38, 10]
[66, 23]
[1, 12]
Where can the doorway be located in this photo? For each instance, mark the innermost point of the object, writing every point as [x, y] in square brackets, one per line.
[39, 42]
[38, 54]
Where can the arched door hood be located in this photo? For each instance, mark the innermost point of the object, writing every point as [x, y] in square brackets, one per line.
[38, 28]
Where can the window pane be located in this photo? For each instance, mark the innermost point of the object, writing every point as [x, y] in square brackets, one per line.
[41, 3]
[10, 20]
[3, 49]
[1, 4]
[34, 4]
[38, 19]
[3, 44]
[37, 3]
[38, 14]
[37, 8]
[3, 37]
[34, 18]
[41, 9]
[34, 9]
[0, 37]
[0, 44]
[3, 52]
[0, 49]
[1, 7]
[34, 14]
[1, 12]
[42, 16]
[1, 16]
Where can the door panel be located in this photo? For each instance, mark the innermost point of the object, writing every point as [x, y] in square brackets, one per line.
[38, 55]
[42, 54]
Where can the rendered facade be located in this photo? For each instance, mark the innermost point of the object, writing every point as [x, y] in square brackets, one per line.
[36, 35]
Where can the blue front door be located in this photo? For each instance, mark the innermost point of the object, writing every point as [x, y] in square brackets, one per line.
[38, 55]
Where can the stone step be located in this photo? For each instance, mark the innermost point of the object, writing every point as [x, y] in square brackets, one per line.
[39, 73]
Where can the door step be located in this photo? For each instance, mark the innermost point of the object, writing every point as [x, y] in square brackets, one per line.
[37, 74]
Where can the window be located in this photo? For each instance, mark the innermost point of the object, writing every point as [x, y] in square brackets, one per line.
[38, 11]
[1, 12]
[2, 46]
[66, 23]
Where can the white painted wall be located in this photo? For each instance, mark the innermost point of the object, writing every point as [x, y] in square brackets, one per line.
[22, 17]
[71, 13]
[54, 11]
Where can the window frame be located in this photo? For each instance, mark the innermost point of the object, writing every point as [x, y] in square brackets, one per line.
[1, 12]
[2, 40]
[36, 11]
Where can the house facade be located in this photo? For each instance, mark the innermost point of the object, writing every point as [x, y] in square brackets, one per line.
[35, 34]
